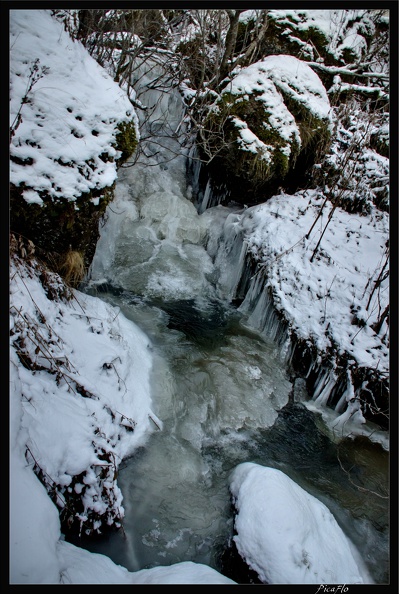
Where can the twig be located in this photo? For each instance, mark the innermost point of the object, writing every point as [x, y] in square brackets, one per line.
[154, 421]
[364, 489]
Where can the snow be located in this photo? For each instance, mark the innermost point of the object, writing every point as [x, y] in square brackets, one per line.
[296, 539]
[87, 367]
[356, 43]
[81, 567]
[248, 141]
[339, 86]
[247, 16]
[34, 521]
[299, 81]
[334, 283]
[65, 163]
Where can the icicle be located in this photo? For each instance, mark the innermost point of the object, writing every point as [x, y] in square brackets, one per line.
[320, 383]
[353, 411]
[284, 346]
[326, 391]
[311, 367]
[252, 295]
[291, 346]
[258, 317]
[219, 194]
[274, 328]
[232, 275]
[262, 314]
[231, 257]
[194, 166]
[341, 404]
[206, 198]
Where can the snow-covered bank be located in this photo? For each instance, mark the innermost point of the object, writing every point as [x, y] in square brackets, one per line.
[331, 301]
[321, 296]
[80, 403]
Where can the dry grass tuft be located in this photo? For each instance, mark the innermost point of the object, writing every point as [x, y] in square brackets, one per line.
[72, 268]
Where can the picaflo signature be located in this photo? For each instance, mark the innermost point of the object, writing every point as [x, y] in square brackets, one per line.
[340, 588]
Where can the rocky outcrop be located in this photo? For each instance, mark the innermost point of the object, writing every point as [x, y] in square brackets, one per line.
[71, 127]
[271, 121]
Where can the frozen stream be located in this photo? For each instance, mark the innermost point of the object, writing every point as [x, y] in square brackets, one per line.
[217, 386]
[213, 391]
[218, 394]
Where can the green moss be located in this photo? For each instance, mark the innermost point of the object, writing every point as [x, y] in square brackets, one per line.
[126, 140]
[59, 226]
[241, 163]
[281, 164]
[313, 130]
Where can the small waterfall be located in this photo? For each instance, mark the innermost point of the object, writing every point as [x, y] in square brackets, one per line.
[231, 257]
[262, 314]
[237, 281]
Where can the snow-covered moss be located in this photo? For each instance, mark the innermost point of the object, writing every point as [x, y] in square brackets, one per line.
[270, 113]
[70, 124]
[340, 36]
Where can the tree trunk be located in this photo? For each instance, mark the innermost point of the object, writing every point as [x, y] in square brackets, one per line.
[231, 38]
[378, 325]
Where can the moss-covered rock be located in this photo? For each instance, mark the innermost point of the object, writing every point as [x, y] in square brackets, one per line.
[294, 32]
[258, 161]
[59, 227]
[271, 113]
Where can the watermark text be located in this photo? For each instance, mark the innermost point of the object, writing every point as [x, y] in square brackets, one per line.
[339, 589]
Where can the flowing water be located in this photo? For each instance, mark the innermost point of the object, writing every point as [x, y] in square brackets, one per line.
[221, 389]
